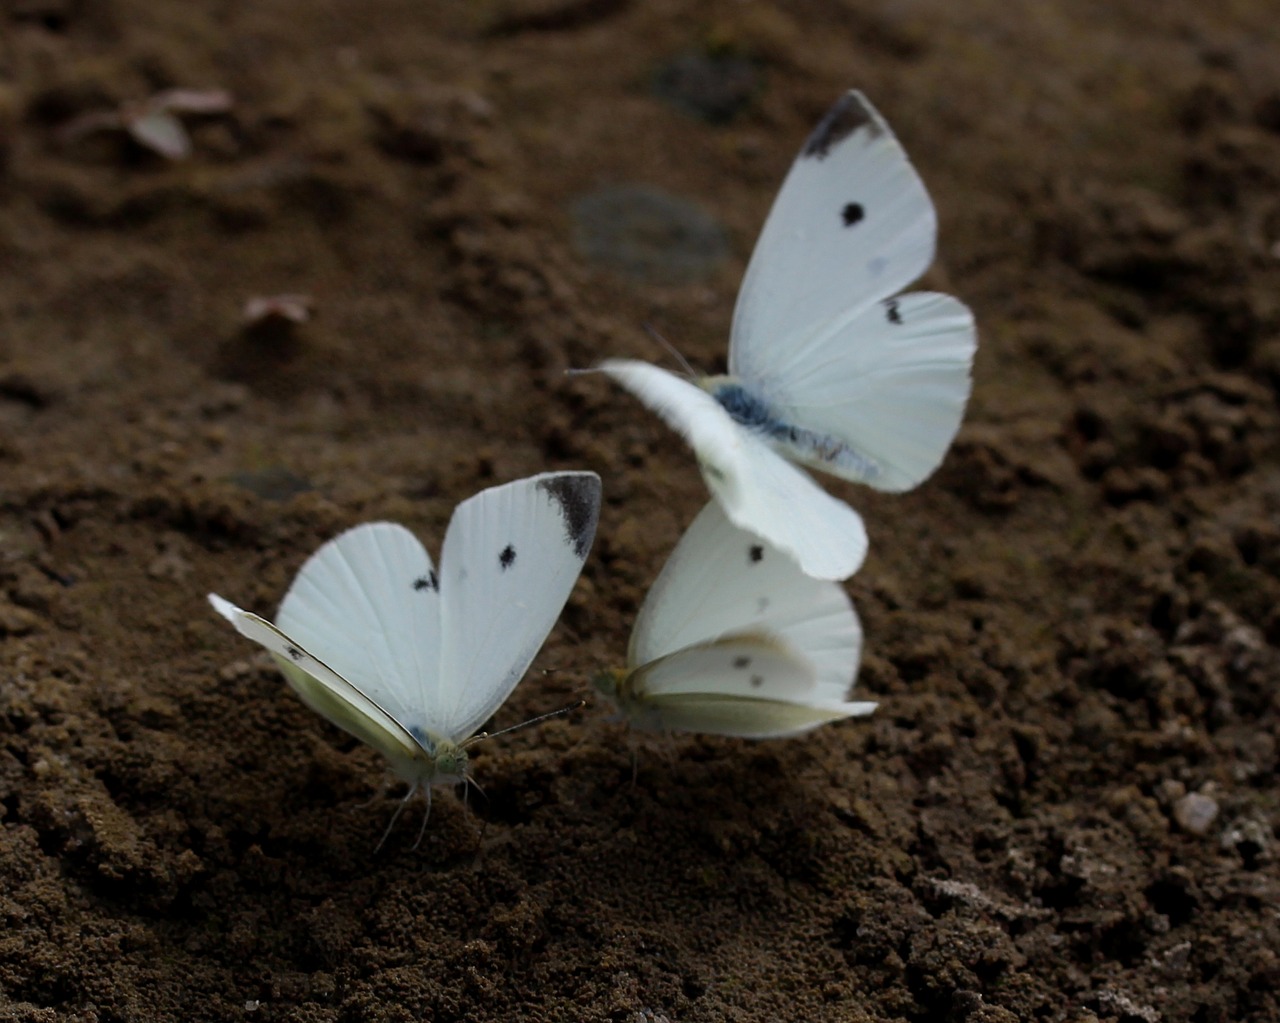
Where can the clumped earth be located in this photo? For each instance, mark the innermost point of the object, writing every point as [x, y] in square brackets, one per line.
[1067, 805]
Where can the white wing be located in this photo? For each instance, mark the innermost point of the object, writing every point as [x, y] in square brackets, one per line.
[852, 224]
[759, 490]
[367, 603]
[742, 686]
[324, 690]
[721, 582]
[510, 559]
[741, 718]
[891, 383]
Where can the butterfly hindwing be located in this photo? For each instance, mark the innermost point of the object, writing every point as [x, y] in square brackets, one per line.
[748, 718]
[891, 384]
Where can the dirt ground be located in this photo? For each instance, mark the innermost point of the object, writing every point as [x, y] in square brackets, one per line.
[1068, 804]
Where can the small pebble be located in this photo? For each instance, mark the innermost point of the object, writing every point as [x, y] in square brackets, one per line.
[1195, 812]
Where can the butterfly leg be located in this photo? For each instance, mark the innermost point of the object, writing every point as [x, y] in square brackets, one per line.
[426, 816]
[377, 796]
[396, 816]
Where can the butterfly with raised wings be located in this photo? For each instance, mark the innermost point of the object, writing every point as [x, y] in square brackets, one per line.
[829, 367]
[734, 639]
[412, 660]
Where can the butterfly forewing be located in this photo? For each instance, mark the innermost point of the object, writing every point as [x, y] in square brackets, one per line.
[852, 224]
[748, 665]
[509, 562]
[368, 604]
[323, 689]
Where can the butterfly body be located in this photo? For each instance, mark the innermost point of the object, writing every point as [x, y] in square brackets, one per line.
[824, 451]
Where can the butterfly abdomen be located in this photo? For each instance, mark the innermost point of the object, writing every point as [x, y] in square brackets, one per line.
[811, 447]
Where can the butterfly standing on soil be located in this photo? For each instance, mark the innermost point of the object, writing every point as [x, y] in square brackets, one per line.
[734, 639]
[828, 366]
[410, 660]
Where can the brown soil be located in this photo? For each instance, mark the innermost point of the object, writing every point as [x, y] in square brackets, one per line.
[1072, 627]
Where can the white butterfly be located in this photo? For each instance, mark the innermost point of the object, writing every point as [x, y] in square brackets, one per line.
[410, 660]
[734, 639]
[826, 367]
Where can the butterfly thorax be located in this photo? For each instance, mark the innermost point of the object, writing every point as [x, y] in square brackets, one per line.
[439, 761]
[809, 447]
[625, 688]
[610, 683]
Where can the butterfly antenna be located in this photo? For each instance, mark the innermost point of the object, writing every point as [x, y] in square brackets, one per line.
[468, 783]
[395, 817]
[652, 331]
[425, 817]
[523, 724]
[671, 349]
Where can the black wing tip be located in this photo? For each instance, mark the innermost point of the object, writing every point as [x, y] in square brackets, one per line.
[849, 114]
[578, 495]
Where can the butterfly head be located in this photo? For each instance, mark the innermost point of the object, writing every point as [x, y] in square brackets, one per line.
[438, 760]
[611, 682]
[448, 763]
[622, 687]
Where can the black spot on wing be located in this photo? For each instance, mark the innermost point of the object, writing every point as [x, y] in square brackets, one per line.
[507, 558]
[578, 497]
[891, 311]
[848, 115]
[756, 553]
[295, 653]
[757, 681]
[742, 662]
[430, 581]
[853, 213]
